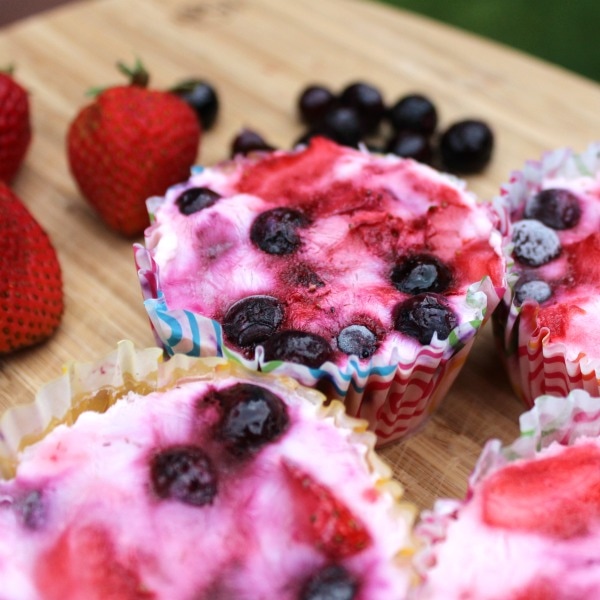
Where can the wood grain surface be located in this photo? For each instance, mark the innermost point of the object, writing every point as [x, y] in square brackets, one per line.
[260, 54]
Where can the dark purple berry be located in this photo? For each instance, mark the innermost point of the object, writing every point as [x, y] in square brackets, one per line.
[247, 141]
[253, 417]
[532, 289]
[414, 112]
[357, 340]
[534, 243]
[202, 97]
[184, 473]
[423, 315]
[196, 199]
[298, 347]
[466, 146]
[421, 273]
[368, 103]
[556, 208]
[314, 103]
[31, 509]
[332, 582]
[252, 320]
[342, 125]
[275, 231]
[411, 144]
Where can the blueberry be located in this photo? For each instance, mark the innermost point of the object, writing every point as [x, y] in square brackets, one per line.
[252, 320]
[253, 417]
[357, 340]
[534, 243]
[411, 144]
[421, 273]
[368, 103]
[423, 315]
[466, 146]
[275, 231]
[184, 473]
[298, 347]
[414, 112]
[203, 99]
[314, 103]
[332, 582]
[532, 289]
[31, 509]
[196, 199]
[343, 126]
[247, 141]
[555, 208]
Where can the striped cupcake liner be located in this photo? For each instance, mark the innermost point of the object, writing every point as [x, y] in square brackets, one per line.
[395, 397]
[536, 365]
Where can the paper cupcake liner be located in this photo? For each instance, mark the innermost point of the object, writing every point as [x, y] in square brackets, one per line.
[396, 397]
[552, 419]
[93, 386]
[83, 386]
[97, 385]
[534, 364]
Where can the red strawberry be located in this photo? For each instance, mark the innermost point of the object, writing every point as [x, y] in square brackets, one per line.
[129, 144]
[83, 564]
[558, 496]
[15, 126]
[31, 298]
[331, 525]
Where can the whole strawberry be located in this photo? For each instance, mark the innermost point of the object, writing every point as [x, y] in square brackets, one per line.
[129, 144]
[31, 297]
[15, 126]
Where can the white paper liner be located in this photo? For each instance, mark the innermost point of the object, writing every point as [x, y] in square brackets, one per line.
[552, 419]
[535, 365]
[396, 397]
[83, 386]
[99, 384]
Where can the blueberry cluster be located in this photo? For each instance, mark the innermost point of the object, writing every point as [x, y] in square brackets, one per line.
[407, 128]
[536, 241]
[359, 114]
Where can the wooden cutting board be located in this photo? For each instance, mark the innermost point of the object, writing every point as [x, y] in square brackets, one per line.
[260, 54]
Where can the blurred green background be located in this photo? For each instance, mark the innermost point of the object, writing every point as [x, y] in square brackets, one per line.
[558, 31]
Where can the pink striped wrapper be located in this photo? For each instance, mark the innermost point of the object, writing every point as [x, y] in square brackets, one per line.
[537, 366]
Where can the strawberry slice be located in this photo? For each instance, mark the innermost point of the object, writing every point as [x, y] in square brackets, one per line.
[83, 564]
[557, 496]
[330, 524]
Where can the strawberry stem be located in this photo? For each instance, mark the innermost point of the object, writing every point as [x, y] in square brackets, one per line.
[137, 74]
